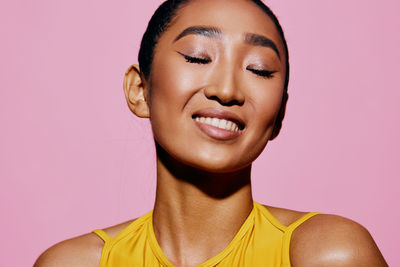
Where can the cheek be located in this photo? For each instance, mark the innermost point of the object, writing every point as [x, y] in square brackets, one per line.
[171, 83]
[265, 105]
[170, 91]
[266, 102]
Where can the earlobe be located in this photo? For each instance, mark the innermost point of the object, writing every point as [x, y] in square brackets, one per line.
[135, 90]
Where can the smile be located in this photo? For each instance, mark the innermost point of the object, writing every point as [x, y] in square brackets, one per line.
[219, 123]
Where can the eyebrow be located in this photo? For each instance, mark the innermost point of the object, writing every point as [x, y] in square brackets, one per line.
[260, 40]
[213, 32]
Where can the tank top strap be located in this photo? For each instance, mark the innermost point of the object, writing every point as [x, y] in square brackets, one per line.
[103, 235]
[288, 235]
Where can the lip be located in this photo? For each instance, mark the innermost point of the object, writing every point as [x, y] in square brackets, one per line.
[220, 114]
[215, 132]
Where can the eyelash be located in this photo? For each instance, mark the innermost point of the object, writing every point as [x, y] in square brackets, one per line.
[196, 60]
[263, 73]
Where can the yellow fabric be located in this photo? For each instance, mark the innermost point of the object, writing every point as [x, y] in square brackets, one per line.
[261, 241]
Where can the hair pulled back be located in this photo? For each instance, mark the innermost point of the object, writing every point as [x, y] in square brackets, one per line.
[162, 19]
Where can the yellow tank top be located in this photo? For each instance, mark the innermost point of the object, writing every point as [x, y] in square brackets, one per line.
[260, 241]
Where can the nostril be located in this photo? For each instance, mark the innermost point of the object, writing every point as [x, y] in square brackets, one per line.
[233, 102]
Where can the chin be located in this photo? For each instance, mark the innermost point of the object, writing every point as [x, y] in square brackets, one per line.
[212, 164]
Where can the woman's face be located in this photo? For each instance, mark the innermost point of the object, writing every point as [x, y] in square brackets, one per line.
[216, 84]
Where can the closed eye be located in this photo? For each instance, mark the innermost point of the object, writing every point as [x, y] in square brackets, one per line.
[262, 73]
[196, 60]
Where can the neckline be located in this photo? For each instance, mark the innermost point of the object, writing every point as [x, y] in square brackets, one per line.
[211, 261]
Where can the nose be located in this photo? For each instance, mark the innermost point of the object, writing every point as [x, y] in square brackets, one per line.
[225, 88]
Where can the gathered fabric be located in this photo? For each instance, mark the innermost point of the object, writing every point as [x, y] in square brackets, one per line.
[261, 241]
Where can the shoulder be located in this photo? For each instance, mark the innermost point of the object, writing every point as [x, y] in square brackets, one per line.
[84, 250]
[330, 240]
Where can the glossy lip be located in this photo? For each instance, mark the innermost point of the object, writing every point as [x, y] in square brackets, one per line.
[215, 132]
[220, 114]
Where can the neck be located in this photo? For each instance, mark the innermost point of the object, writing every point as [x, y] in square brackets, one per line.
[197, 213]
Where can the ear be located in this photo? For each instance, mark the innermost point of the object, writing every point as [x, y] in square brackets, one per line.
[280, 117]
[135, 89]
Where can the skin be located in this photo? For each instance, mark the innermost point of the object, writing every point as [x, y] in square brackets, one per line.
[203, 182]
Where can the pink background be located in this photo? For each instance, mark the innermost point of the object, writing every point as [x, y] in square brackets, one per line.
[73, 158]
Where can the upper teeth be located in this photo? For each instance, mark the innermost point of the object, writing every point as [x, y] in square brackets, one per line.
[223, 124]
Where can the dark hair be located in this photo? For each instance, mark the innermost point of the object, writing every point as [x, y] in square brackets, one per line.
[162, 19]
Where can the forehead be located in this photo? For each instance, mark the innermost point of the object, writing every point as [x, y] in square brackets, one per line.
[233, 17]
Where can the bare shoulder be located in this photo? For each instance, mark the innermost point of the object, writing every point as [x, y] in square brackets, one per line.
[84, 250]
[330, 240]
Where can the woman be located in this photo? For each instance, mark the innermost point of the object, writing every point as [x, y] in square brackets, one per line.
[213, 80]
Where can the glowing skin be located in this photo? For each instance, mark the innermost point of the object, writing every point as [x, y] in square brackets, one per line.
[213, 96]
[214, 76]
[180, 87]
